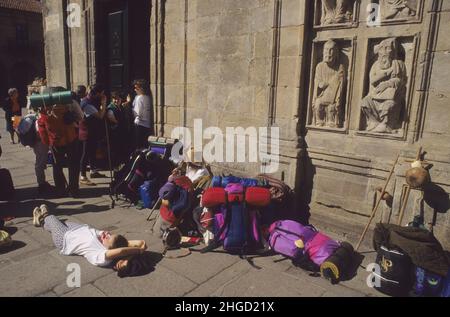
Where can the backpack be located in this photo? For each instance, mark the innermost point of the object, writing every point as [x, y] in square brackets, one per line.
[428, 284]
[142, 166]
[179, 195]
[7, 190]
[320, 248]
[149, 193]
[396, 272]
[5, 240]
[284, 235]
[27, 130]
[280, 192]
[236, 221]
[223, 181]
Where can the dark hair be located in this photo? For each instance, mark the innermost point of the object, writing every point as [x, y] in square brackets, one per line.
[96, 89]
[142, 83]
[119, 94]
[119, 242]
[81, 89]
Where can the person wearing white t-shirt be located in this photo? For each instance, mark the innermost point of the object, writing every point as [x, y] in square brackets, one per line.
[100, 248]
[142, 109]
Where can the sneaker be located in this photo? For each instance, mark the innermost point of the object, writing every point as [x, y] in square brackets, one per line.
[44, 211]
[87, 182]
[39, 214]
[97, 175]
[36, 213]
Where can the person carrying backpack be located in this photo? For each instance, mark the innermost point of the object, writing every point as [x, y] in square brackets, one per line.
[27, 130]
[94, 107]
[60, 135]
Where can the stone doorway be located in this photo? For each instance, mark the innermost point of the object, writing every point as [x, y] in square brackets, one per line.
[122, 42]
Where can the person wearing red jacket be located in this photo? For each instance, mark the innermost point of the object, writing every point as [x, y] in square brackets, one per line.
[57, 128]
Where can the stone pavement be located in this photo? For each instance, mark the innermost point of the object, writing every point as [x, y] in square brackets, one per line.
[32, 266]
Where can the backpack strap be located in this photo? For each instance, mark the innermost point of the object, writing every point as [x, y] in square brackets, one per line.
[216, 243]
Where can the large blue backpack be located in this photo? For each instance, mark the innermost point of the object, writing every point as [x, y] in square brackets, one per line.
[236, 219]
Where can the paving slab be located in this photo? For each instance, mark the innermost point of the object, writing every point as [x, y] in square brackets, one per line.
[85, 291]
[32, 277]
[200, 267]
[161, 282]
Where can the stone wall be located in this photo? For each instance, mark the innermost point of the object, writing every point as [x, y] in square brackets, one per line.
[234, 63]
[20, 64]
[215, 61]
[271, 63]
[69, 51]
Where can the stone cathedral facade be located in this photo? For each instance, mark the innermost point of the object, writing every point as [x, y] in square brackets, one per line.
[350, 83]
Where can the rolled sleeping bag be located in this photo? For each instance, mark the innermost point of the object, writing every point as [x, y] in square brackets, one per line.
[257, 196]
[337, 265]
[213, 197]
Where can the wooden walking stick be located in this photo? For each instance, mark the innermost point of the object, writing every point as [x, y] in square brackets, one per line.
[408, 192]
[378, 203]
[154, 208]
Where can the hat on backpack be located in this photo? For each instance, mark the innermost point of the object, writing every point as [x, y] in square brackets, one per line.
[167, 191]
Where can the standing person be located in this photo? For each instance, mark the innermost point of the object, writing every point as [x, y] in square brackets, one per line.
[12, 107]
[142, 112]
[40, 150]
[94, 107]
[57, 128]
[80, 93]
[118, 127]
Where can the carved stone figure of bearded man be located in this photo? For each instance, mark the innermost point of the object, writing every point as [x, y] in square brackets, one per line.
[387, 92]
[328, 88]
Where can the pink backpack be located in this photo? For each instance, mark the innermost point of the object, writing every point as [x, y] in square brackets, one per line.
[320, 248]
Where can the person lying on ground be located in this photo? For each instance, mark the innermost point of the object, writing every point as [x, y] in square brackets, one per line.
[100, 248]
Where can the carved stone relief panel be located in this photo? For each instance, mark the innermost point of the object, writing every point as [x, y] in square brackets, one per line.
[336, 13]
[330, 80]
[399, 11]
[389, 69]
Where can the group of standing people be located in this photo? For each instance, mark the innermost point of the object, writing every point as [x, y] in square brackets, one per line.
[80, 133]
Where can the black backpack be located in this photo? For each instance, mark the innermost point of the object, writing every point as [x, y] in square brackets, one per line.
[396, 278]
[27, 130]
[142, 166]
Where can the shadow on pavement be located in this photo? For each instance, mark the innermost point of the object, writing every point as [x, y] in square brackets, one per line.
[15, 245]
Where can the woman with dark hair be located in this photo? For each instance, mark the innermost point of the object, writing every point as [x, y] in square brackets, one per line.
[142, 109]
[100, 248]
[12, 107]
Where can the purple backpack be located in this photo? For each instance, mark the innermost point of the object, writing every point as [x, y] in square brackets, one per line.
[284, 234]
[320, 248]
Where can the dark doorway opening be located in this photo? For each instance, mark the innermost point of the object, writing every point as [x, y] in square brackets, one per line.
[122, 42]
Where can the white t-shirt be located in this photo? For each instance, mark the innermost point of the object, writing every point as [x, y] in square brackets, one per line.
[142, 110]
[89, 110]
[85, 241]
